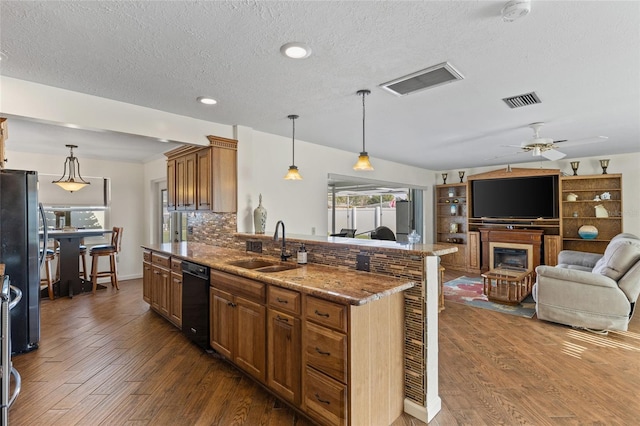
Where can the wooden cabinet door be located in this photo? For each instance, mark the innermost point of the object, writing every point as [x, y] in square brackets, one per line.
[221, 324]
[250, 347]
[190, 182]
[175, 305]
[284, 351]
[147, 280]
[179, 182]
[171, 184]
[203, 188]
[224, 180]
[162, 280]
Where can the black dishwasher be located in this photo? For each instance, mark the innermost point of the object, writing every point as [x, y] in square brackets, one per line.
[195, 303]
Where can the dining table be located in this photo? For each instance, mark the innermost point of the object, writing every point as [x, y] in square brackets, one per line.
[71, 282]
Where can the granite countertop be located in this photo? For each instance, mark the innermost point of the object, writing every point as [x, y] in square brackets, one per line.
[438, 249]
[340, 285]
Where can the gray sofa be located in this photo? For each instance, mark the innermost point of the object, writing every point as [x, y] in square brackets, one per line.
[591, 291]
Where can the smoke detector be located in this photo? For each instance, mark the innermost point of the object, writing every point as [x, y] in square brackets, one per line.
[515, 9]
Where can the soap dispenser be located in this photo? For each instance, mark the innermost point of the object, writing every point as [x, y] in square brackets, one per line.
[302, 255]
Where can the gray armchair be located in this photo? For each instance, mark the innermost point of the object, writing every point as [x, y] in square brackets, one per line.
[591, 291]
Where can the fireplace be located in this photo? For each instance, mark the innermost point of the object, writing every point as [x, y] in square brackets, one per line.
[510, 256]
[514, 242]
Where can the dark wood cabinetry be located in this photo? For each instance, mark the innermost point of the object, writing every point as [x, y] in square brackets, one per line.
[175, 293]
[203, 178]
[160, 283]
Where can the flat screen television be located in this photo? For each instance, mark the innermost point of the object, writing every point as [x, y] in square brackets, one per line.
[515, 198]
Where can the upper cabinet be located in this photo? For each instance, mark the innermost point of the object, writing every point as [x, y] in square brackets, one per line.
[203, 178]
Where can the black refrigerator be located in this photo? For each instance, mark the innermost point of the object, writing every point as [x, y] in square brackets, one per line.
[20, 251]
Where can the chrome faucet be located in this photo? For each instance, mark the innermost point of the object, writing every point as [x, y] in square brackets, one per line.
[283, 252]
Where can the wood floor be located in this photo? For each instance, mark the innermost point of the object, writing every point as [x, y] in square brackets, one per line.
[108, 360]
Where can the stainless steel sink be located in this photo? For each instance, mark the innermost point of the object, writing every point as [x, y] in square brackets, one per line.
[263, 265]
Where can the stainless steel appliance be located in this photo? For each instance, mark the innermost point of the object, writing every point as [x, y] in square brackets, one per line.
[7, 303]
[20, 248]
[195, 303]
[404, 220]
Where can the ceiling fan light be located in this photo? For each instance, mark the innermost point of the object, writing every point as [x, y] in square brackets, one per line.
[363, 163]
[537, 151]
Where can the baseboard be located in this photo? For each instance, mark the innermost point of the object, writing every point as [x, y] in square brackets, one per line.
[425, 414]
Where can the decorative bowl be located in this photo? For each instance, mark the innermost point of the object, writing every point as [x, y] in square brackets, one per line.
[588, 232]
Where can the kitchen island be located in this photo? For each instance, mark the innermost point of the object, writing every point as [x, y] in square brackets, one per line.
[328, 340]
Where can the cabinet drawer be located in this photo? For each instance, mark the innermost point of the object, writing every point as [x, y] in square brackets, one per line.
[176, 265]
[146, 256]
[325, 397]
[326, 351]
[284, 300]
[239, 286]
[327, 313]
[161, 260]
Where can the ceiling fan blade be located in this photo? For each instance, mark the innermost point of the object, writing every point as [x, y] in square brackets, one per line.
[553, 155]
[583, 141]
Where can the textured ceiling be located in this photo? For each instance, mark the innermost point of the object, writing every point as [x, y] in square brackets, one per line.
[581, 58]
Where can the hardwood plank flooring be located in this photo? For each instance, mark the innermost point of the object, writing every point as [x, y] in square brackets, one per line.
[109, 360]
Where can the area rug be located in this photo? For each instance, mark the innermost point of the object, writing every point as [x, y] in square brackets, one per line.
[468, 291]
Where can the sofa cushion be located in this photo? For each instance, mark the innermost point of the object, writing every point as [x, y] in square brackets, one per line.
[621, 254]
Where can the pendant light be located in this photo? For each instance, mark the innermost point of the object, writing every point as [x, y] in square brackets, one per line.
[363, 163]
[293, 173]
[69, 180]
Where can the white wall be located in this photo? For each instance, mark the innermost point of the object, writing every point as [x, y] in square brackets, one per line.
[264, 160]
[627, 164]
[127, 204]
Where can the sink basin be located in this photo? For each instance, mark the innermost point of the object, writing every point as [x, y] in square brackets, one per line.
[276, 268]
[252, 263]
[263, 265]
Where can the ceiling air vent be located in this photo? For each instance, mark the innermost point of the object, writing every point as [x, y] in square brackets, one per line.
[430, 77]
[522, 100]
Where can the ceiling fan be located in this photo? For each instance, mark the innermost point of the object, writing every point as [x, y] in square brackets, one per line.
[546, 147]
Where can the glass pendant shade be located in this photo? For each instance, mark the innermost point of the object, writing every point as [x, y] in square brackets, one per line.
[70, 181]
[293, 173]
[363, 163]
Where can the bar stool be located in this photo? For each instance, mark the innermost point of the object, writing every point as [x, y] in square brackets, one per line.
[48, 280]
[106, 250]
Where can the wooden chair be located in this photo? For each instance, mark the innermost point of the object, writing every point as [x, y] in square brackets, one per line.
[48, 279]
[110, 250]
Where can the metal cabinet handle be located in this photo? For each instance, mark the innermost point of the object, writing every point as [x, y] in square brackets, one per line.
[281, 300]
[233, 305]
[321, 314]
[321, 352]
[324, 401]
[279, 318]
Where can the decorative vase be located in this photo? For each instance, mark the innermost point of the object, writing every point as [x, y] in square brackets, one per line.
[601, 211]
[260, 217]
[588, 232]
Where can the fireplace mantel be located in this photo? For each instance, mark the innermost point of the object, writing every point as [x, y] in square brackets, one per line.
[512, 236]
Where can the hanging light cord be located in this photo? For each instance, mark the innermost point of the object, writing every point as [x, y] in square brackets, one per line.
[293, 142]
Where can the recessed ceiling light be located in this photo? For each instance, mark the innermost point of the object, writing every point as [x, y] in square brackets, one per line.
[295, 50]
[207, 101]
